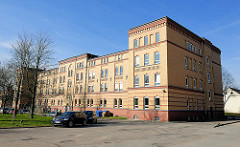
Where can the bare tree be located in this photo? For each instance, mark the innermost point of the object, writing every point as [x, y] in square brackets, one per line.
[31, 54]
[6, 85]
[227, 79]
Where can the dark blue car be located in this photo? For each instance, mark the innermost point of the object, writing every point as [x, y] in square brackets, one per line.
[70, 119]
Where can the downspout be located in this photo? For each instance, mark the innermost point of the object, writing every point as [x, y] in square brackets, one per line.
[204, 88]
[85, 88]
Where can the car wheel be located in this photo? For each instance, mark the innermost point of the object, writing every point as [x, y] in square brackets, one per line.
[84, 122]
[70, 124]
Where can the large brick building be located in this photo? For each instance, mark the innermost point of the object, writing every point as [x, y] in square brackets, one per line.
[167, 73]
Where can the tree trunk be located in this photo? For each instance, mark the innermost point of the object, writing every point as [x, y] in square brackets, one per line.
[18, 94]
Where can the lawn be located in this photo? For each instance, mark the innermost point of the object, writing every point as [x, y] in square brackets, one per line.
[6, 121]
[114, 117]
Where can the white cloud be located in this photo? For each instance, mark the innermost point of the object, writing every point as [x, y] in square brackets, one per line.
[5, 44]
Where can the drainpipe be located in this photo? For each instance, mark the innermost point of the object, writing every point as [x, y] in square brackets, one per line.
[204, 88]
[85, 88]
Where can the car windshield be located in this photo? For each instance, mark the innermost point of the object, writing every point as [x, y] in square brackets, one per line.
[67, 114]
[52, 112]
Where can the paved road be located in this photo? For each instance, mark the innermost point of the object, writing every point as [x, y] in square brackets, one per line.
[113, 133]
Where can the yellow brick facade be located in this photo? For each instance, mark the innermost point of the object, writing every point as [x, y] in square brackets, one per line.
[176, 101]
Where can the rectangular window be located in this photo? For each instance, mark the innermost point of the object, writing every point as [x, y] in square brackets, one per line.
[146, 80]
[200, 51]
[136, 81]
[201, 85]
[157, 58]
[207, 60]
[121, 86]
[89, 89]
[116, 58]
[146, 59]
[194, 65]
[116, 86]
[209, 79]
[135, 103]
[120, 103]
[146, 102]
[102, 74]
[106, 73]
[116, 71]
[91, 102]
[81, 76]
[88, 102]
[145, 40]
[136, 61]
[92, 88]
[105, 103]
[100, 102]
[90, 75]
[188, 104]
[200, 67]
[157, 79]
[157, 103]
[157, 39]
[79, 102]
[77, 77]
[115, 103]
[195, 84]
[194, 49]
[186, 79]
[191, 47]
[121, 70]
[81, 89]
[210, 95]
[75, 102]
[101, 88]
[102, 61]
[186, 63]
[188, 48]
[93, 75]
[106, 87]
[196, 103]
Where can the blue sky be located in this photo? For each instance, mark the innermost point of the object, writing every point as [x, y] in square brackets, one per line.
[100, 26]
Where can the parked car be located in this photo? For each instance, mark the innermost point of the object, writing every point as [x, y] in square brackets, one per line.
[53, 114]
[7, 110]
[91, 116]
[70, 119]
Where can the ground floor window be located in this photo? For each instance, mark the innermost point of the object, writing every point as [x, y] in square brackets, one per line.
[115, 103]
[75, 102]
[91, 102]
[135, 103]
[79, 102]
[105, 103]
[146, 103]
[88, 102]
[187, 103]
[100, 102]
[120, 103]
[157, 103]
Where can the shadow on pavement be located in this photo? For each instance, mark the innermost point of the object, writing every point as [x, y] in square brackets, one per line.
[220, 125]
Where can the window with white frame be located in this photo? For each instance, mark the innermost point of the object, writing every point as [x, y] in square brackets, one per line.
[120, 103]
[79, 102]
[101, 88]
[116, 71]
[89, 88]
[146, 80]
[90, 75]
[105, 103]
[207, 61]
[106, 73]
[195, 84]
[210, 95]
[157, 37]
[194, 65]
[136, 81]
[157, 79]
[146, 103]
[102, 74]
[77, 77]
[91, 102]
[135, 103]
[186, 80]
[92, 88]
[201, 85]
[136, 61]
[146, 59]
[121, 86]
[100, 102]
[209, 79]
[186, 62]
[106, 87]
[145, 40]
[115, 103]
[157, 57]
[135, 43]
[93, 75]
[116, 87]
[88, 102]
[157, 103]
[121, 70]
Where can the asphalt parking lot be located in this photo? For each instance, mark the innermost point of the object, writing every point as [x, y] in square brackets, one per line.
[127, 133]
